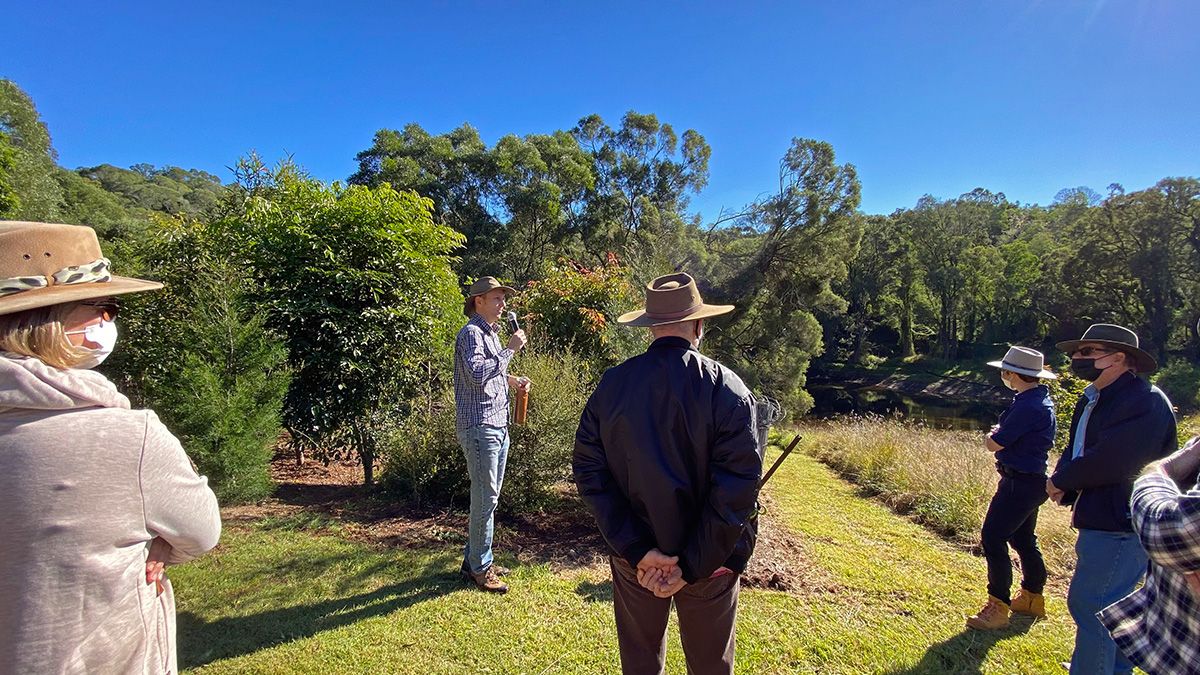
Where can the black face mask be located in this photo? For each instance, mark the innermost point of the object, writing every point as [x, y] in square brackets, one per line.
[1086, 369]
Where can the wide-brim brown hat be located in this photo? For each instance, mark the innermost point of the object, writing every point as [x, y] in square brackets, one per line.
[673, 298]
[1119, 337]
[44, 264]
[483, 285]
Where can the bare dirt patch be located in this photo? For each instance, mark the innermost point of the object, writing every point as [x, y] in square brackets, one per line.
[562, 536]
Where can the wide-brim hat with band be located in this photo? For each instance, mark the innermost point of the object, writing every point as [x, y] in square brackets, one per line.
[44, 264]
[1025, 361]
[673, 298]
[483, 285]
[1114, 336]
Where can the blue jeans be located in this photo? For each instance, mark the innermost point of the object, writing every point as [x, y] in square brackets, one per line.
[1108, 568]
[486, 450]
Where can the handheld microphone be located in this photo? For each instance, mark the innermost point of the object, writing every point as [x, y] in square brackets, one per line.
[513, 326]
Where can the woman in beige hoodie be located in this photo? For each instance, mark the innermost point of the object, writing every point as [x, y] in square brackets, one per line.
[95, 497]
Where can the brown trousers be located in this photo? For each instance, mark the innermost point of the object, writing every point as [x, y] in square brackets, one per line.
[707, 613]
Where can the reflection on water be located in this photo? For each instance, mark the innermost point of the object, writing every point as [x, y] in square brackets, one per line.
[833, 400]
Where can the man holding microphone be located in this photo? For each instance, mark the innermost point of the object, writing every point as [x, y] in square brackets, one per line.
[481, 385]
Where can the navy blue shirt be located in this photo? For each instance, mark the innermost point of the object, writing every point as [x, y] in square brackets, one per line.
[1027, 431]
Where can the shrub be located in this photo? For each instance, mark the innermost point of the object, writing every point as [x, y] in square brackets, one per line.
[1181, 381]
[541, 450]
[424, 462]
[358, 282]
[200, 355]
[575, 308]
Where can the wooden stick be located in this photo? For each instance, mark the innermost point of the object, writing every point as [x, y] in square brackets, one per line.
[791, 446]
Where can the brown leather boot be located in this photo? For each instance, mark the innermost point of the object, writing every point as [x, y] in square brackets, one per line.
[993, 616]
[1028, 602]
[489, 582]
[501, 571]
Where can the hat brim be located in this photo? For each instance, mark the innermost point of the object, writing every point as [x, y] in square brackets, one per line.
[507, 289]
[1042, 374]
[1142, 361]
[64, 293]
[639, 317]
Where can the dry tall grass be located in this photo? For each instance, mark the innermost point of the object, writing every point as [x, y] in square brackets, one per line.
[944, 479]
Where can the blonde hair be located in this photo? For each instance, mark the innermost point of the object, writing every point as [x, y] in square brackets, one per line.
[40, 333]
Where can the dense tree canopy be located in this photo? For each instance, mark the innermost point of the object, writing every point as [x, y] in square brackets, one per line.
[586, 215]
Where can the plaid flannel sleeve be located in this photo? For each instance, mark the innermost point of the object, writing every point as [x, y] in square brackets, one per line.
[1167, 522]
[480, 366]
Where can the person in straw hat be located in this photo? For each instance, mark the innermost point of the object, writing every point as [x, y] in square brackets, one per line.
[1021, 443]
[1120, 424]
[97, 497]
[667, 460]
[481, 385]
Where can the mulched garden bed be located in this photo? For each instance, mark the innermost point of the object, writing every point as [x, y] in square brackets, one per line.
[563, 536]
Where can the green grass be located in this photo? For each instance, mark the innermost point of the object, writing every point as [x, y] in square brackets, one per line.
[890, 597]
[1189, 426]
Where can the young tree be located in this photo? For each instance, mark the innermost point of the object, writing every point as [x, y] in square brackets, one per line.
[359, 282]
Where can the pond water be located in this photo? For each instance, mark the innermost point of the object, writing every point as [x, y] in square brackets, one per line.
[831, 400]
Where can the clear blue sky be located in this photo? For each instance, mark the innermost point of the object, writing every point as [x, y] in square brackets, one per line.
[1024, 97]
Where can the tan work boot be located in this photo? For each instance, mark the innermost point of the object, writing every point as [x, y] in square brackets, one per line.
[993, 616]
[489, 582]
[1028, 602]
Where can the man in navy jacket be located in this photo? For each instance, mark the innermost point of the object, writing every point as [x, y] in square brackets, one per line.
[667, 461]
[1121, 423]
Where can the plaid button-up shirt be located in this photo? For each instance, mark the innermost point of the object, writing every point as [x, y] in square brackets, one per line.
[1158, 625]
[480, 376]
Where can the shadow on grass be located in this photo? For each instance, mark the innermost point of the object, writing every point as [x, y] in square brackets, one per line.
[592, 591]
[965, 653]
[202, 642]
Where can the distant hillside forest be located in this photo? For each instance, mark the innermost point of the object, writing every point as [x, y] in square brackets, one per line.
[953, 277]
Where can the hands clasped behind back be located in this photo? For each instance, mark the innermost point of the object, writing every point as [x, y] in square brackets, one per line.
[660, 573]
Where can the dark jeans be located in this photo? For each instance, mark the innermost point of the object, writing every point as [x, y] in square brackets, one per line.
[1011, 519]
[707, 613]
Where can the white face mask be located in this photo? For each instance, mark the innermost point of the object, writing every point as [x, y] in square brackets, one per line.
[103, 334]
[1008, 382]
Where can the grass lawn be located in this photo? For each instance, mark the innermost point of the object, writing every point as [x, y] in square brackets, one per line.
[884, 595]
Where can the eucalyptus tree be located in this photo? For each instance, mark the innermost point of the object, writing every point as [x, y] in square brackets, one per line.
[872, 278]
[456, 172]
[948, 236]
[542, 182]
[1132, 262]
[644, 175]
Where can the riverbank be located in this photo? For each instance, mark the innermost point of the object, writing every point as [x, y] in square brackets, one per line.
[919, 377]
